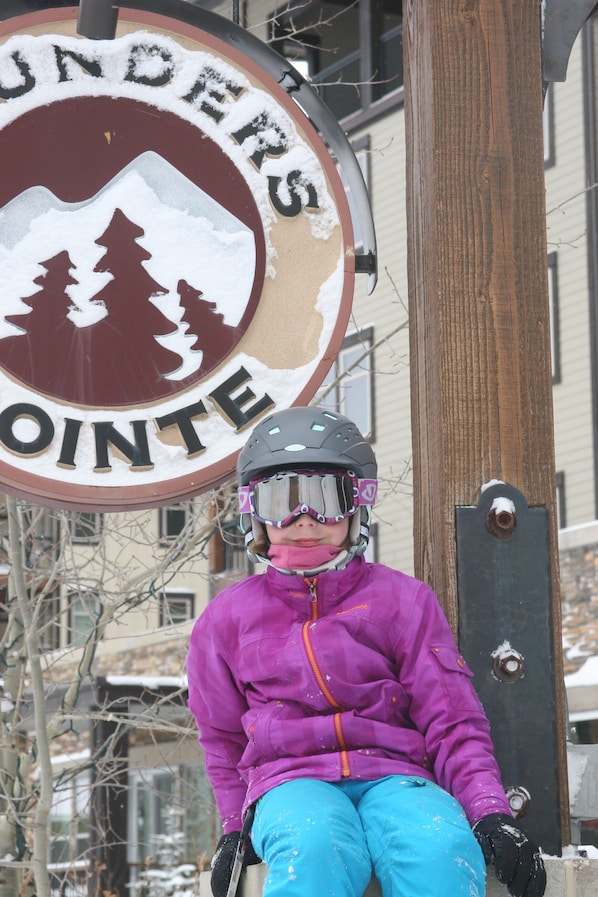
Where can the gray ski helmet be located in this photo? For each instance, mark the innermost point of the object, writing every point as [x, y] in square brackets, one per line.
[305, 437]
[308, 437]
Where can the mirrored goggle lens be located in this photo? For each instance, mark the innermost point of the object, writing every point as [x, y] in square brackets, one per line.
[328, 497]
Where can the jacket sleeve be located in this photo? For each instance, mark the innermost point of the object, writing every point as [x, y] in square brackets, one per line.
[218, 706]
[447, 710]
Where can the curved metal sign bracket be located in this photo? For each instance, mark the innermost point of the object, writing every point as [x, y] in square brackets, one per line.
[563, 20]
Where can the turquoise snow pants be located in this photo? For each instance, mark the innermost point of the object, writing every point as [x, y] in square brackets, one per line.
[322, 839]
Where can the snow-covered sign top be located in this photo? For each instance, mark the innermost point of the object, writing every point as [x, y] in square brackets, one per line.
[176, 253]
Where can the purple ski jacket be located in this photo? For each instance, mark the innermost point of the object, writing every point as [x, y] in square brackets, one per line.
[352, 675]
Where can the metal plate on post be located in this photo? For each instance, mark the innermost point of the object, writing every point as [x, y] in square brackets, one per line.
[506, 637]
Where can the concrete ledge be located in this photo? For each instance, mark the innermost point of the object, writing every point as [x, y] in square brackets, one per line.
[568, 876]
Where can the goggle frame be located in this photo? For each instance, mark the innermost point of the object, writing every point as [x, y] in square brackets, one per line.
[363, 492]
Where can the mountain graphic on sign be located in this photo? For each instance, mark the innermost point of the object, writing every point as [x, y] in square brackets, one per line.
[171, 187]
[121, 298]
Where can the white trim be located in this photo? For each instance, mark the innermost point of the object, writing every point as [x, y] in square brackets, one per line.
[577, 536]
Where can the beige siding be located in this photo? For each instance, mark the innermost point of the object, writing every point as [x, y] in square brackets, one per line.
[566, 233]
[386, 310]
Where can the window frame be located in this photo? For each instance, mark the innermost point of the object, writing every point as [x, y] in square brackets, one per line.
[49, 624]
[224, 552]
[233, 550]
[151, 792]
[170, 596]
[72, 828]
[371, 552]
[94, 531]
[553, 298]
[372, 38]
[80, 597]
[332, 396]
[169, 534]
[561, 508]
[548, 127]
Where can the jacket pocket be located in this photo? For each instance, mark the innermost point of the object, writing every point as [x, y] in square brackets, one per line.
[456, 678]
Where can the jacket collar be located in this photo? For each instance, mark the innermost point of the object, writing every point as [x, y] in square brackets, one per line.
[332, 585]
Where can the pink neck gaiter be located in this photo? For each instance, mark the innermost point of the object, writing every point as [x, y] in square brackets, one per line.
[291, 557]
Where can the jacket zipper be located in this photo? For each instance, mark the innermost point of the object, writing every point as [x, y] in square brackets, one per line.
[338, 728]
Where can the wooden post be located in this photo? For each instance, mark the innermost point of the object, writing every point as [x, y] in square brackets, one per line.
[478, 293]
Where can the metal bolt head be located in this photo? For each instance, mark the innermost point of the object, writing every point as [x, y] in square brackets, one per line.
[519, 800]
[501, 523]
[509, 667]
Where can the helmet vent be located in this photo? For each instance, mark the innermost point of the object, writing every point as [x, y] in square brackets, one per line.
[308, 436]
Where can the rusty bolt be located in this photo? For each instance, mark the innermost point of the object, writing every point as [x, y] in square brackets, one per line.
[519, 800]
[502, 518]
[509, 667]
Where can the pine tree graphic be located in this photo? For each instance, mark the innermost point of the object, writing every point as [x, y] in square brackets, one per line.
[127, 362]
[116, 360]
[48, 338]
[212, 336]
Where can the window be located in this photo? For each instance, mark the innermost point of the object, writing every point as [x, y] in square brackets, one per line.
[234, 556]
[49, 623]
[84, 610]
[561, 515]
[176, 607]
[172, 805]
[173, 521]
[85, 526]
[548, 127]
[554, 317]
[352, 50]
[69, 841]
[228, 558]
[41, 535]
[347, 387]
[371, 552]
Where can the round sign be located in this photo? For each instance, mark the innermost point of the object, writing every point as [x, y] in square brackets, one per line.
[177, 259]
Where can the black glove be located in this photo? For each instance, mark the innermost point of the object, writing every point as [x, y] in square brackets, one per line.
[516, 858]
[224, 858]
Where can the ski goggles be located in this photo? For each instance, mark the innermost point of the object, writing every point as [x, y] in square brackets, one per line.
[327, 496]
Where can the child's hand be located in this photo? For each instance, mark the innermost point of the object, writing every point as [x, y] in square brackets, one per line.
[516, 859]
[224, 858]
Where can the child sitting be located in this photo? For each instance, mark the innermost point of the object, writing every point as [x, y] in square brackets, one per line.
[329, 694]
